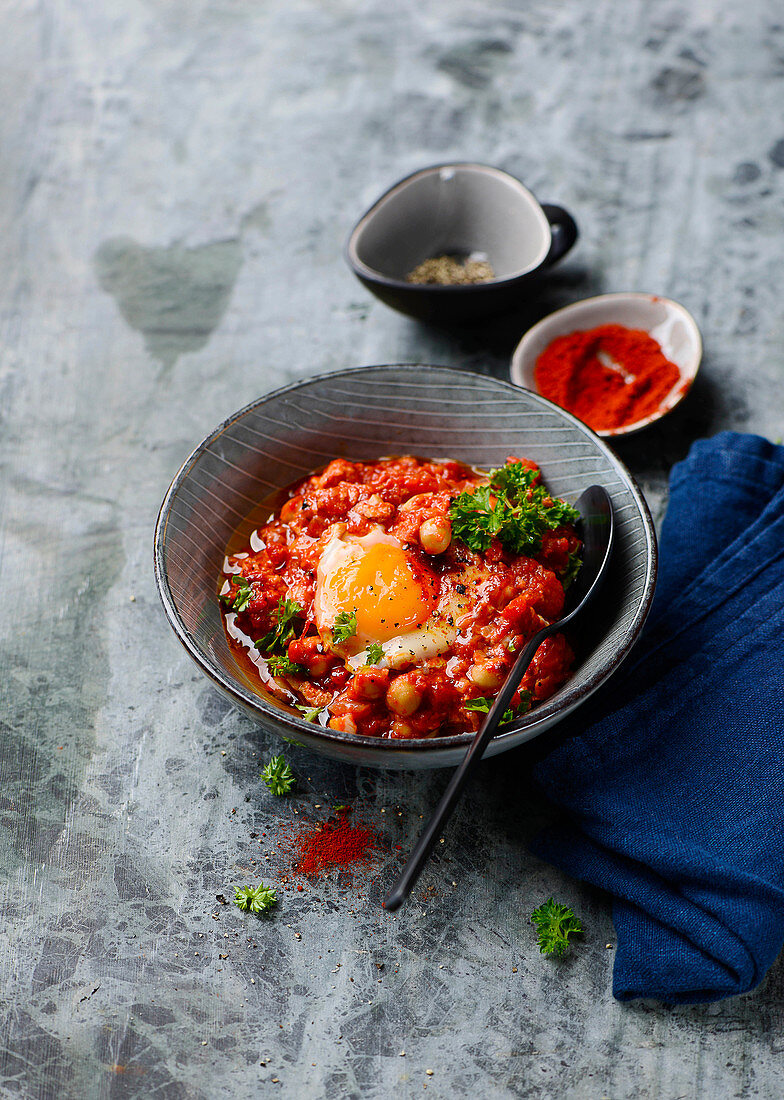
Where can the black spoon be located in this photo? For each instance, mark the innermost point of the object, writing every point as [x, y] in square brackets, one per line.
[596, 530]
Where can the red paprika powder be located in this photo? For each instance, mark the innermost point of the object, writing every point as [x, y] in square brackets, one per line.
[610, 376]
[336, 843]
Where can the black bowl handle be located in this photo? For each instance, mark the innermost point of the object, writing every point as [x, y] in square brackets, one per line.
[564, 231]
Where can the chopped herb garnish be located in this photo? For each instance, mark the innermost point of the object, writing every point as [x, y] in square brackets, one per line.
[573, 567]
[255, 899]
[238, 601]
[345, 626]
[374, 653]
[278, 638]
[280, 665]
[309, 714]
[483, 705]
[554, 924]
[511, 508]
[278, 776]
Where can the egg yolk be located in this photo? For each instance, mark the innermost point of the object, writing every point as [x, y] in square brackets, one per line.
[387, 590]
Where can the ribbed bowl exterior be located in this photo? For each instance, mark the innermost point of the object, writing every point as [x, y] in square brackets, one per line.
[368, 413]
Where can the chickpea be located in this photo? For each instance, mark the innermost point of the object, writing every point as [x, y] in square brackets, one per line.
[305, 651]
[402, 697]
[485, 676]
[435, 535]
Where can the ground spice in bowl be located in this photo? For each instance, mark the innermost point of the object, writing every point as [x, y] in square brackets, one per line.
[611, 377]
[452, 271]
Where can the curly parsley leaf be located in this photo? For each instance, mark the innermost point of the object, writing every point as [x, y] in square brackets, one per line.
[573, 567]
[475, 519]
[374, 653]
[280, 665]
[283, 631]
[483, 705]
[238, 601]
[514, 507]
[555, 923]
[278, 776]
[255, 899]
[309, 714]
[345, 626]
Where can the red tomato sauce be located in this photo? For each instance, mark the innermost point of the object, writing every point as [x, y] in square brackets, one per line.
[384, 528]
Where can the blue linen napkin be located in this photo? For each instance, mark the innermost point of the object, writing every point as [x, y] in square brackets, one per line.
[673, 777]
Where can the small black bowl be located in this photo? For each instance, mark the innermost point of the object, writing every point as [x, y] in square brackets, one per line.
[457, 209]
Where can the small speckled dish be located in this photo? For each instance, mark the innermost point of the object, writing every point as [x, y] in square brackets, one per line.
[667, 322]
[365, 414]
[458, 210]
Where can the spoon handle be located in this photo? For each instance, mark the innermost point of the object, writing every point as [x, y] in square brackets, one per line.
[597, 527]
[460, 777]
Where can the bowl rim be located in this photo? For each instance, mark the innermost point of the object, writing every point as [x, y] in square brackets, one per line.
[247, 699]
[678, 392]
[363, 270]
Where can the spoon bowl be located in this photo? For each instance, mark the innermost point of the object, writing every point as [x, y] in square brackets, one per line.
[596, 527]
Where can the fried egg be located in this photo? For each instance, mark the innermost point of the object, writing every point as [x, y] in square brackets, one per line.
[398, 602]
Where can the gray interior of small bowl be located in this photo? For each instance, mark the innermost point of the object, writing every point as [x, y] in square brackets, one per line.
[454, 211]
[368, 414]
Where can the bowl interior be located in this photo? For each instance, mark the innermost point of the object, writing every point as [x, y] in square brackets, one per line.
[365, 414]
[452, 210]
[667, 322]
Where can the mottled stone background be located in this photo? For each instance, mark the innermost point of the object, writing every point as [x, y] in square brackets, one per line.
[177, 178]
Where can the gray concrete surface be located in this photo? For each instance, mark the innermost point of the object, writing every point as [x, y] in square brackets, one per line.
[176, 181]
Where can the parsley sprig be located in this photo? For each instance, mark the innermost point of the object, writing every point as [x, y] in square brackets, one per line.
[239, 600]
[374, 653]
[278, 776]
[555, 923]
[309, 714]
[276, 640]
[573, 567]
[483, 704]
[255, 899]
[512, 508]
[345, 626]
[280, 665]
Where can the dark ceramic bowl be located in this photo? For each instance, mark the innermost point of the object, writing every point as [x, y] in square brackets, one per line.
[365, 414]
[458, 209]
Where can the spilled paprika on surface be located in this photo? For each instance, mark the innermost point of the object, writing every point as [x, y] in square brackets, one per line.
[335, 843]
[609, 376]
